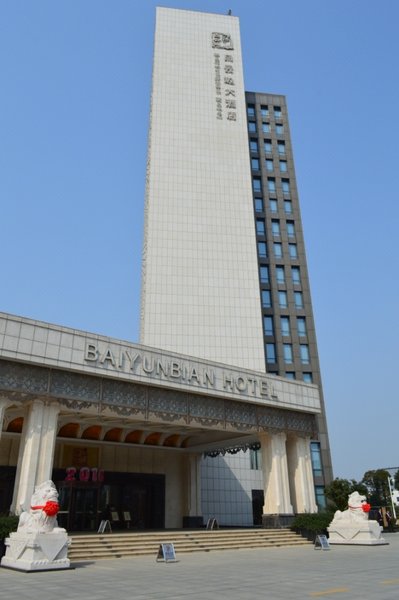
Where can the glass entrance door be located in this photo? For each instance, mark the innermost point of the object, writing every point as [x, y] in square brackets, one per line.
[84, 515]
[128, 500]
[78, 508]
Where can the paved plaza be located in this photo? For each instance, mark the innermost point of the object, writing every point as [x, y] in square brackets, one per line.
[346, 572]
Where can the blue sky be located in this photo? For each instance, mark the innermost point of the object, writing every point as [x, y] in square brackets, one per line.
[74, 108]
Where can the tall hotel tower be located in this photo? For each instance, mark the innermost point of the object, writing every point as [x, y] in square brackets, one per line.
[224, 268]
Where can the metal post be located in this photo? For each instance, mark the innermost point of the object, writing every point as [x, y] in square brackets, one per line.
[390, 494]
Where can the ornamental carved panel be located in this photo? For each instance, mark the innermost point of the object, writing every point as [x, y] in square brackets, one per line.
[206, 411]
[301, 423]
[240, 415]
[74, 405]
[15, 376]
[170, 406]
[124, 394]
[271, 418]
[73, 385]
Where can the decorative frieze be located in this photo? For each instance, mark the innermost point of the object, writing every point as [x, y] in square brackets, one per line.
[170, 406]
[208, 412]
[241, 416]
[74, 385]
[271, 418]
[75, 405]
[119, 393]
[78, 391]
[24, 378]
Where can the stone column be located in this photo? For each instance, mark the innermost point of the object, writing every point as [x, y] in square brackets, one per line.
[36, 452]
[301, 474]
[277, 509]
[47, 443]
[4, 403]
[193, 517]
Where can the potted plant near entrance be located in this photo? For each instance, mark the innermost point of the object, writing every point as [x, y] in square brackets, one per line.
[7, 525]
[310, 525]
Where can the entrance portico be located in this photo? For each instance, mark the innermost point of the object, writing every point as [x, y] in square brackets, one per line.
[72, 400]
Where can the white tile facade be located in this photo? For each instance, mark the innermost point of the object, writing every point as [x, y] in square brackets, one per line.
[200, 280]
[200, 292]
[227, 484]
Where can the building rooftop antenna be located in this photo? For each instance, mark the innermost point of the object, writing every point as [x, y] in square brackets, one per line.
[229, 12]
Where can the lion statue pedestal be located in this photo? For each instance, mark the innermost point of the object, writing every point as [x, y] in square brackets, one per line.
[38, 544]
[352, 526]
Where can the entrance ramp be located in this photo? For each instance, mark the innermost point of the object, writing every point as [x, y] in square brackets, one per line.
[126, 545]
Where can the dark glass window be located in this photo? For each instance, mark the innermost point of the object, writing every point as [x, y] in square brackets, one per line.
[266, 299]
[273, 205]
[270, 353]
[252, 126]
[260, 227]
[298, 297]
[296, 275]
[256, 184]
[253, 145]
[268, 325]
[287, 350]
[264, 274]
[279, 129]
[251, 110]
[320, 498]
[290, 229]
[264, 111]
[255, 164]
[288, 207]
[285, 184]
[282, 299]
[304, 352]
[278, 250]
[275, 227]
[301, 326]
[280, 274]
[285, 326]
[259, 205]
[255, 459]
[281, 148]
[315, 454]
[268, 146]
[262, 249]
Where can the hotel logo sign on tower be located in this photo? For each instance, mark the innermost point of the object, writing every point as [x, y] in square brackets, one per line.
[224, 77]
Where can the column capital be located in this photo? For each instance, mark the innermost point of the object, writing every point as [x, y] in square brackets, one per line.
[4, 399]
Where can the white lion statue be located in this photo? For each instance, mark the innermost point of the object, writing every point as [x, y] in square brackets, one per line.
[42, 515]
[357, 511]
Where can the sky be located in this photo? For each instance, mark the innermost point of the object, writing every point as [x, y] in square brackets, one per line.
[74, 113]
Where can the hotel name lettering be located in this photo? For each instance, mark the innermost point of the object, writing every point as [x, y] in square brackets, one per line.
[174, 370]
[224, 77]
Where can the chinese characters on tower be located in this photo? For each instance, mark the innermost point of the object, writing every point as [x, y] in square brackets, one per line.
[224, 77]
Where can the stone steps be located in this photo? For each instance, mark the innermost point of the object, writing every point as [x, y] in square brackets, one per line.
[121, 545]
